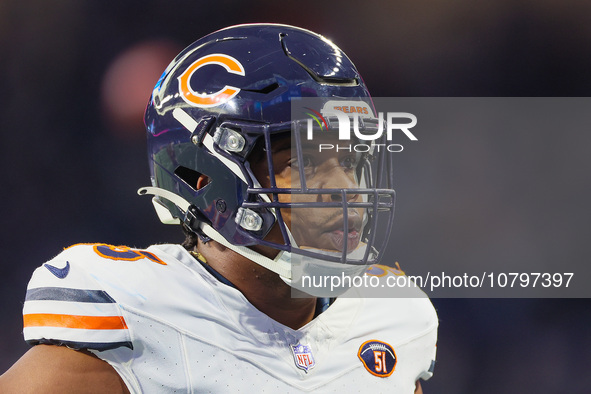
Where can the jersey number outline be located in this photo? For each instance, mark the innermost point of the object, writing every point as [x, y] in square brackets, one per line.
[124, 253]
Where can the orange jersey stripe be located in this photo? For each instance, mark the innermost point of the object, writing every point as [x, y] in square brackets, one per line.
[74, 321]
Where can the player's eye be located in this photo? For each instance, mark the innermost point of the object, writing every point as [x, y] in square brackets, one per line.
[307, 164]
[349, 162]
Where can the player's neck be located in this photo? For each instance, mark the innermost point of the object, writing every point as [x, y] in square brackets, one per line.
[263, 288]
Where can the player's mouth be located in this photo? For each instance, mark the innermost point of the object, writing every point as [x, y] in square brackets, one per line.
[338, 239]
[352, 238]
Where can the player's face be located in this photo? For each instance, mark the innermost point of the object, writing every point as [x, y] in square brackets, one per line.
[315, 227]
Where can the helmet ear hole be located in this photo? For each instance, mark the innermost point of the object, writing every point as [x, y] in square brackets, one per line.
[194, 179]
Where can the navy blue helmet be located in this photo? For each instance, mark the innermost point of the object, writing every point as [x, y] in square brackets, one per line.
[222, 103]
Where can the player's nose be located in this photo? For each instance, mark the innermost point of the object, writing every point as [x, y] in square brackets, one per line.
[338, 178]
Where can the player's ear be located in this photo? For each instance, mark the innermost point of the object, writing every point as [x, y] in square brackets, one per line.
[202, 181]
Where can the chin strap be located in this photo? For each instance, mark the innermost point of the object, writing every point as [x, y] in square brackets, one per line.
[281, 265]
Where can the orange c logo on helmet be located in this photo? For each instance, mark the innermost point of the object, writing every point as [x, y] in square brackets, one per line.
[214, 99]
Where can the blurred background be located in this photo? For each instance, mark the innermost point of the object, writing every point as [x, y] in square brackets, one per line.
[75, 77]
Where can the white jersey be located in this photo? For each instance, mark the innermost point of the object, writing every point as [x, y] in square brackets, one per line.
[166, 324]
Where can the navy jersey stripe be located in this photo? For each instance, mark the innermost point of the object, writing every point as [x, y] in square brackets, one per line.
[66, 294]
[100, 346]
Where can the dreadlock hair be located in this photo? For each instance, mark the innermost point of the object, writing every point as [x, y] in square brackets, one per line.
[191, 238]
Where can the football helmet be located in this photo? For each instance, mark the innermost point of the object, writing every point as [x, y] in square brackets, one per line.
[227, 98]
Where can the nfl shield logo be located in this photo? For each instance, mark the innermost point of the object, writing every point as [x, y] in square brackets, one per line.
[303, 357]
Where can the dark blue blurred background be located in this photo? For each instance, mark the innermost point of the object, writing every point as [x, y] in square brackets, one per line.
[75, 77]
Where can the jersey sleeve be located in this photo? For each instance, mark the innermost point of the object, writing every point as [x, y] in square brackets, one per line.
[64, 305]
